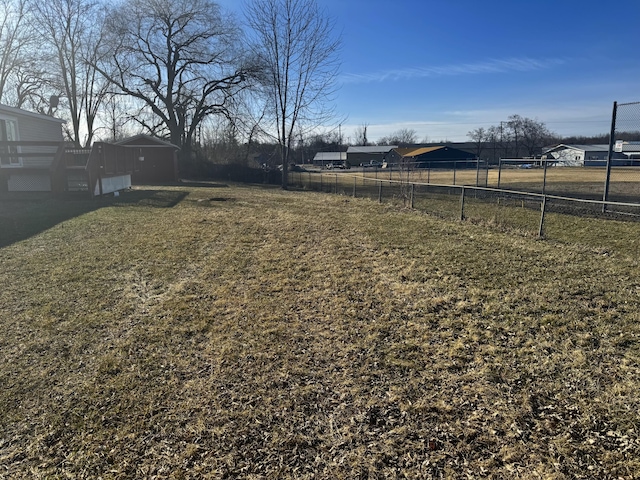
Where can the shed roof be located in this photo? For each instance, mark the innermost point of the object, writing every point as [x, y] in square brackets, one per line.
[371, 149]
[584, 148]
[330, 156]
[414, 152]
[147, 141]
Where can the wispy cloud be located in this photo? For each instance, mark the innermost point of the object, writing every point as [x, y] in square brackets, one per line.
[479, 68]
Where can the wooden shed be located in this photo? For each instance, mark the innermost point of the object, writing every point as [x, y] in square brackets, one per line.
[157, 159]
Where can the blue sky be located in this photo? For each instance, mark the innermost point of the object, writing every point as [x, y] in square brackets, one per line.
[445, 67]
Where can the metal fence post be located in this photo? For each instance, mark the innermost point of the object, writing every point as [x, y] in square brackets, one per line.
[454, 172]
[543, 209]
[380, 191]
[612, 141]
[355, 180]
[477, 172]
[499, 170]
[413, 188]
[544, 177]
[462, 204]
[336, 183]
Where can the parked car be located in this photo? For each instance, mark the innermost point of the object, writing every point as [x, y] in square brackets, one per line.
[371, 164]
[293, 168]
[340, 165]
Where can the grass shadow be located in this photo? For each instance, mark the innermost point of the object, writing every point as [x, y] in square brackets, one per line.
[202, 184]
[25, 215]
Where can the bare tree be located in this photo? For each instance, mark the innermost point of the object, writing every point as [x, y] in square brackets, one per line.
[401, 137]
[17, 39]
[479, 137]
[494, 141]
[72, 29]
[514, 133]
[535, 135]
[295, 43]
[361, 135]
[524, 135]
[115, 117]
[179, 59]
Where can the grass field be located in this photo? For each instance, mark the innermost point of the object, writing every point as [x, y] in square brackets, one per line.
[236, 332]
[585, 182]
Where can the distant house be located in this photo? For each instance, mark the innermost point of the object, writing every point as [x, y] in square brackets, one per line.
[357, 155]
[631, 150]
[441, 156]
[157, 160]
[323, 159]
[583, 155]
[30, 146]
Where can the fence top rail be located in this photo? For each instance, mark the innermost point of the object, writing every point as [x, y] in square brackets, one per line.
[502, 190]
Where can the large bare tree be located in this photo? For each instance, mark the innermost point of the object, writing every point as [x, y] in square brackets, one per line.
[535, 135]
[515, 137]
[180, 59]
[17, 42]
[298, 50]
[72, 31]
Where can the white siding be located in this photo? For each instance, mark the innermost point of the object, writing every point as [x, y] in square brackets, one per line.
[569, 158]
[33, 128]
[113, 184]
[42, 130]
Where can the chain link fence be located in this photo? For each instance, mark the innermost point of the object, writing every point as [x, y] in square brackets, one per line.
[535, 196]
[530, 213]
[623, 169]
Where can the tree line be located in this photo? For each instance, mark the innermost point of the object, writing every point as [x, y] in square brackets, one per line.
[183, 70]
[220, 87]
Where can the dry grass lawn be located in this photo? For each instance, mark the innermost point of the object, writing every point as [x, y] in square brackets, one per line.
[253, 333]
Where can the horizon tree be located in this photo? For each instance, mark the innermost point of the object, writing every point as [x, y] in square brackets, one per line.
[400, 137]
[294, 42]
[179, 59]
[21, 77]
[479, 137]
[360, 135]
[72, 31]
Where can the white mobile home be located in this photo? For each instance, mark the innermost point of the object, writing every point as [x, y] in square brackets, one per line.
[29, 143]
[33, 158]
[584, 155]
